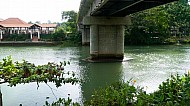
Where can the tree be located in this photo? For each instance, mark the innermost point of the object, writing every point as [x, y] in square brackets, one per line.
[68, 29]
[148, 25]
[30, 22]
[59, 34]
[70, 26]
[49, 22]
[180, 16]
[70, 16]
[38, 22]
[159, 22]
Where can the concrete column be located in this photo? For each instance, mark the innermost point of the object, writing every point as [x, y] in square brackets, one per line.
[120, 40]
[94, 45]
[18, 30]
[46, 30]
[86, 35]
[1, 34]
[25, 29]
[38, 34]
[106, 37]
[11, 31]
[107, 42]
[30, 34]
[14, 30]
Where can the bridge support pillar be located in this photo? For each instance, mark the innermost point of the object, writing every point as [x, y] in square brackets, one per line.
[107, 42]
[86, 35]
[107, 37]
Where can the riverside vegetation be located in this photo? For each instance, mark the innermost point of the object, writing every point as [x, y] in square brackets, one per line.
[15, 73]
[175, 91]
[165, 24]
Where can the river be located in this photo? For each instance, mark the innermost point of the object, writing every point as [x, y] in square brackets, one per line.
[149, 67]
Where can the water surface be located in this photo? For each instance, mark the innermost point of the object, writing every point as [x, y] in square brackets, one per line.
[150, 66]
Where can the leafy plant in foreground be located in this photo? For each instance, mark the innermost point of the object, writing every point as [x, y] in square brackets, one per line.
[16, 73]
[62, 102]
[173, 92]
[118, 94]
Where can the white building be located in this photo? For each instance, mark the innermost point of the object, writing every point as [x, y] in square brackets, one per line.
[17, 26]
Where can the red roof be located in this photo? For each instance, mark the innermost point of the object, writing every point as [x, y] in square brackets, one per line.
[16, 22]
[13, 21]
[15, 25]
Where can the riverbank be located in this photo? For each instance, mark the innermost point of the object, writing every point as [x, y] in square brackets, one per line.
[25, 43]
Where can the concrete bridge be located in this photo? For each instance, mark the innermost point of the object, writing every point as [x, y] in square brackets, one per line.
[102, 23]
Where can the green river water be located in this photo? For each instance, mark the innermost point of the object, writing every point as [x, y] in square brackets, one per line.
[149, 67]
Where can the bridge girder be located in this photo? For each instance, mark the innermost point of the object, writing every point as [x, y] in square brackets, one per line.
[121, 8]
[115, 8]
[84, 8]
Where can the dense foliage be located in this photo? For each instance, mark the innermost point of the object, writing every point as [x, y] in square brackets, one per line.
[46, 37]
[67, 31]
[173, 92]
[70, 25]
[118, 94]
[156, 25]
[16, 73]
[16, 37]
[59, 34]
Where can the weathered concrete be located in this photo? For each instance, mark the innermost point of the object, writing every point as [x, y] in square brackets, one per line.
[106, 37]
[94, 37]
[106, 41]
[85, 35]
[90, 20]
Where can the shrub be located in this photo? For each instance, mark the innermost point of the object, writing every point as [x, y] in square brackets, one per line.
[175, 91]
[118, 94]
[172, 92]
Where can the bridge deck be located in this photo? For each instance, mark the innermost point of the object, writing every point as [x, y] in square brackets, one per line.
[121, 8]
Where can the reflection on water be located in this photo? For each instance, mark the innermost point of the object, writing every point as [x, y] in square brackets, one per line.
[98, 75]
[150, 66]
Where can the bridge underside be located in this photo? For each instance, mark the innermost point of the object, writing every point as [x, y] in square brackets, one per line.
[104, 23]
[121, 8]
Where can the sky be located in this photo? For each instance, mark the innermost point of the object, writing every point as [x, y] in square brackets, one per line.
[37, 10]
